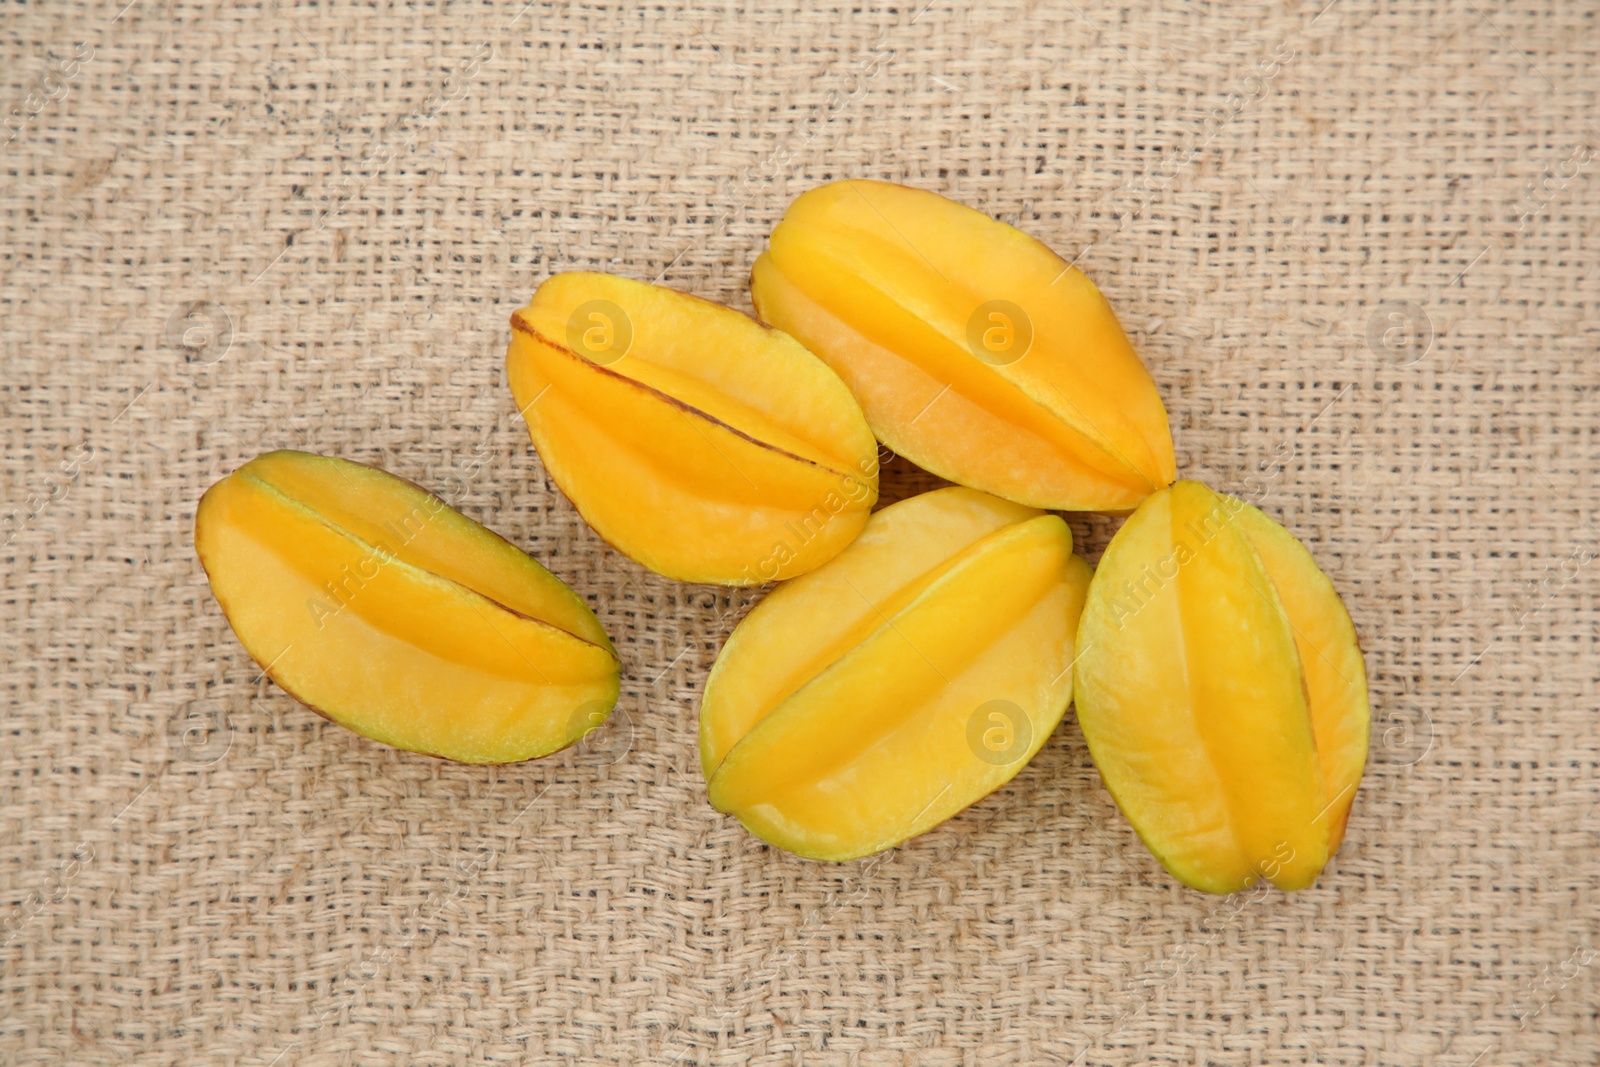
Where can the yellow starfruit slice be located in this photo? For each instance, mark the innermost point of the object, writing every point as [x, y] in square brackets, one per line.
[910, 676]
[387, 611]
[697, 441]
[975, 351]
[1222, 692]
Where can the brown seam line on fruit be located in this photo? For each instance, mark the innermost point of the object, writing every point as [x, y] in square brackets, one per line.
[517, 323]
[684, 410]
[473, 595]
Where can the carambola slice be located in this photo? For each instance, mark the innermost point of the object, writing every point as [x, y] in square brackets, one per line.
[910, 676]
[391, 613]
[1222, 692]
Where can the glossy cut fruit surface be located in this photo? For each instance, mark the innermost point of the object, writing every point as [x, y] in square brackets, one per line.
[975, 351]
[697, 441]
[910, 676]
[1222, 692]
[387, 611]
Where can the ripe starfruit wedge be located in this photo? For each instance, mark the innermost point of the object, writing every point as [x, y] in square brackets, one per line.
[697, 441]
[387, 611]
[910, 676]
[1222, 692]
[975, 351]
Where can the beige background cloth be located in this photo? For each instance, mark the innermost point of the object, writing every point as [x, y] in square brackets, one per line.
[1356, 244]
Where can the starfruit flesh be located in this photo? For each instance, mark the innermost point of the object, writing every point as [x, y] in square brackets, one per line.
[975, 351]
[697, 441]
[1222, 692]
[391, 613]
[913, 674]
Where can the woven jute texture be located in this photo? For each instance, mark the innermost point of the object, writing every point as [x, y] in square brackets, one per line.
[1358, 244]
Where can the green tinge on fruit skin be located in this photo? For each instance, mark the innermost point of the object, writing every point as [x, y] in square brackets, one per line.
[1233, 759]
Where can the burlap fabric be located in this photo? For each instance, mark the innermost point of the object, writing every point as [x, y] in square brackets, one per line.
[1357, 245]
